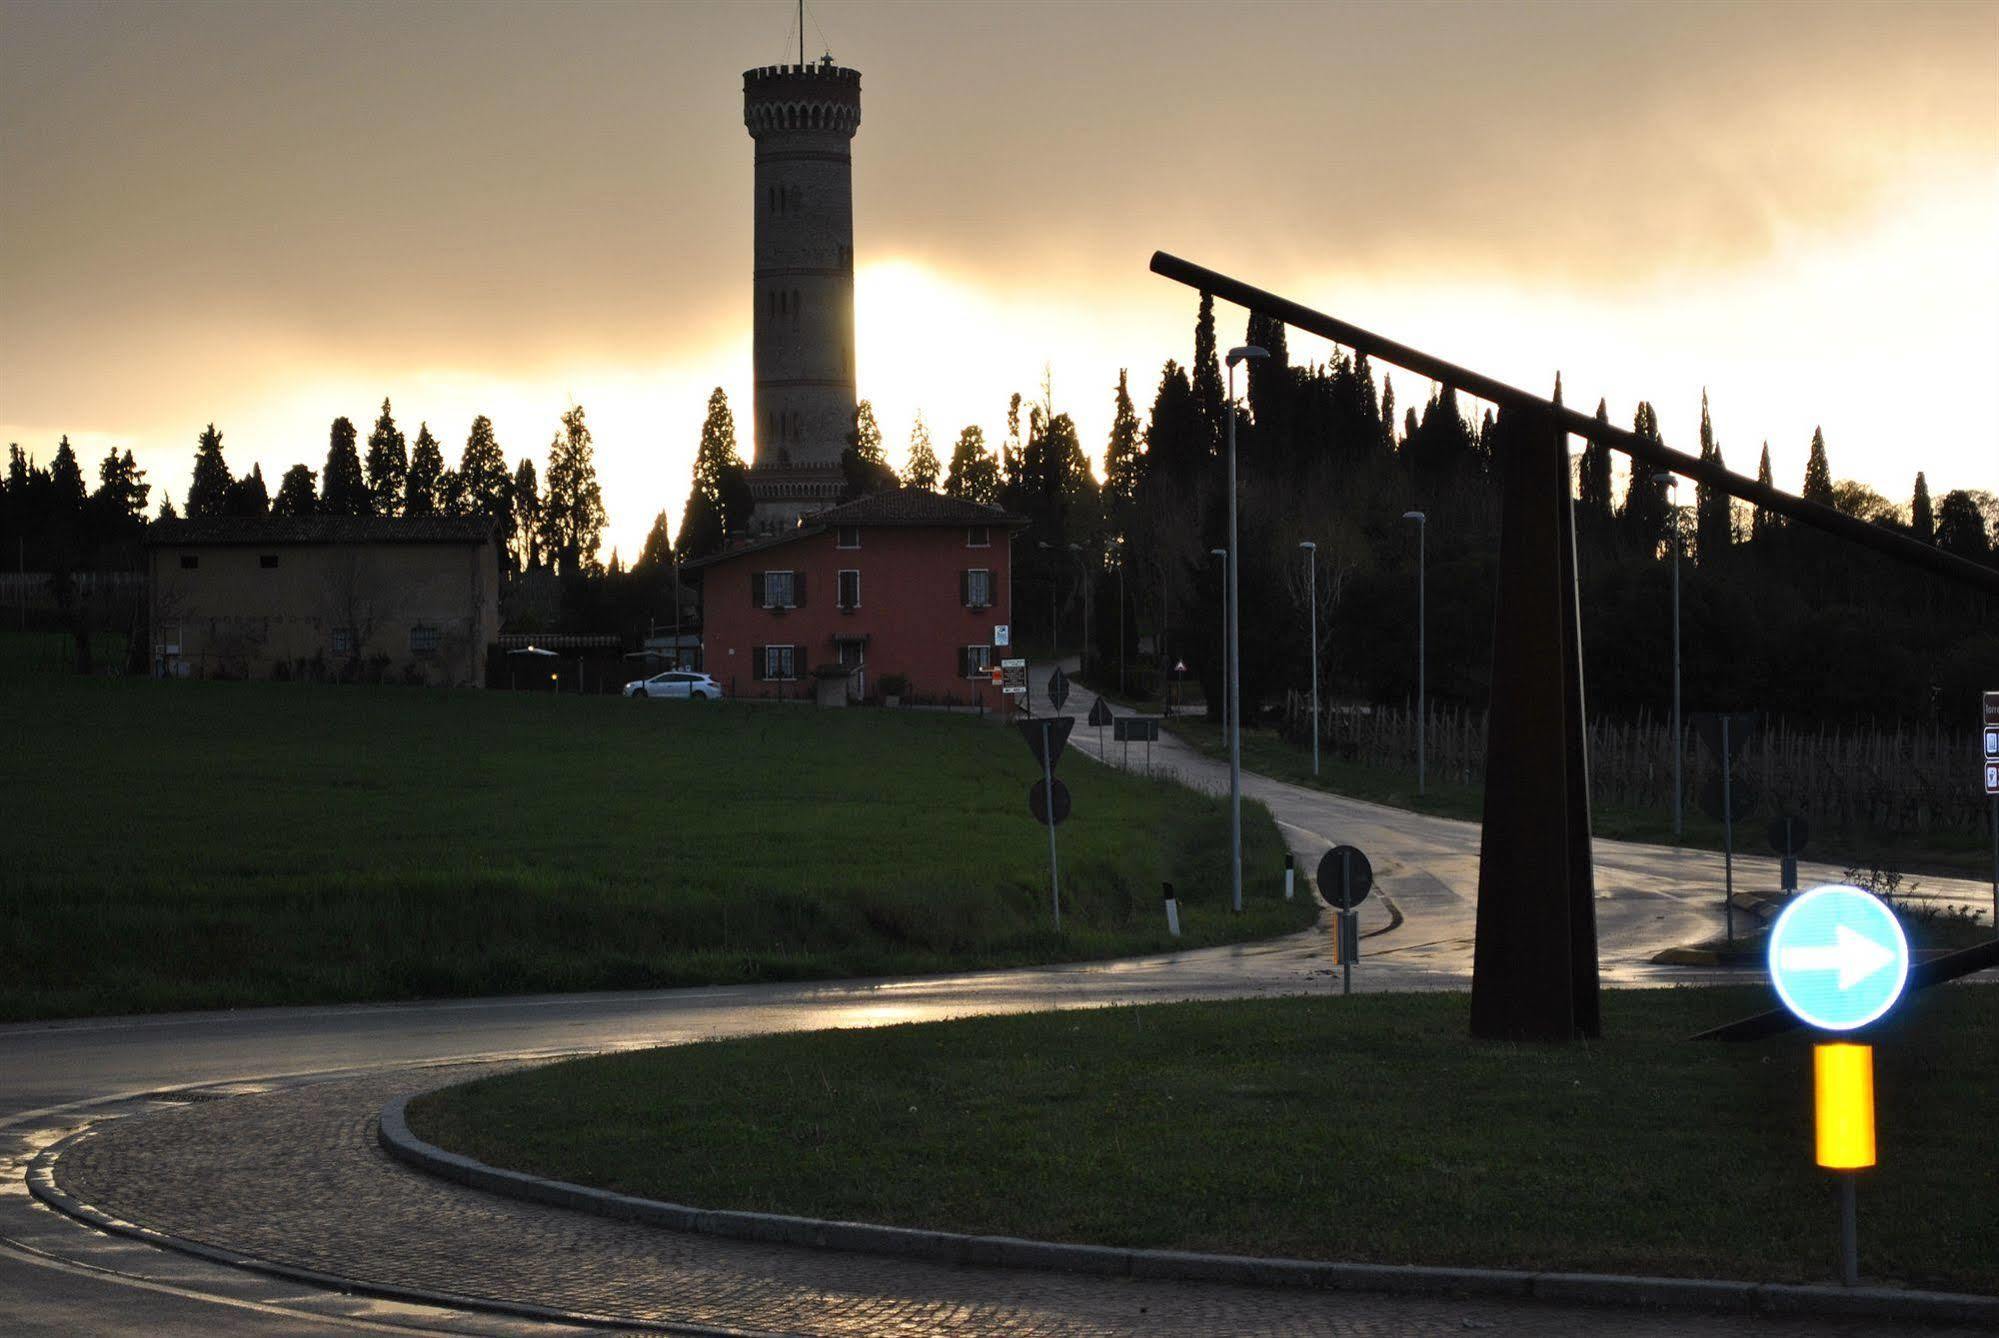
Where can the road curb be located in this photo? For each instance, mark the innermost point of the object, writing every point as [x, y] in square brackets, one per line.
[397, 1141]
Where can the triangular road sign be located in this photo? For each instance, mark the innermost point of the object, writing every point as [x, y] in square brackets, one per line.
[1100, 714]
[1050, 733]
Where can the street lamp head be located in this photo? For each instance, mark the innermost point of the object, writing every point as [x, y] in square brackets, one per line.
[1246, 351]
[1416, 516]
[1666, 476]
[1309, 546]
[1219, 552]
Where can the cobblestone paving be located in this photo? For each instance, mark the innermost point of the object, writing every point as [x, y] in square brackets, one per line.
[295, 1178]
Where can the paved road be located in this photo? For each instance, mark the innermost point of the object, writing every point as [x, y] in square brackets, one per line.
[57, 1277]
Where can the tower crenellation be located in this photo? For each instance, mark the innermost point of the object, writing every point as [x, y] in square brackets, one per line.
[803, 119]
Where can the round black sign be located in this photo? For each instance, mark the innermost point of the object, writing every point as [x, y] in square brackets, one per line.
[1788, 834]
[1345, 877]
[1037, 802]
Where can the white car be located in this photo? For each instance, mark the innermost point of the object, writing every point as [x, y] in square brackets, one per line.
[677, 685]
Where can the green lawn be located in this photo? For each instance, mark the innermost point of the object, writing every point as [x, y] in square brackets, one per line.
[194, 845]
[1268, 753]
[1366, 1128]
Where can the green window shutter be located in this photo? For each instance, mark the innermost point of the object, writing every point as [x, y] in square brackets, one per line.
[757, 661]
[798, 589]
[965, 588]
[757, 590]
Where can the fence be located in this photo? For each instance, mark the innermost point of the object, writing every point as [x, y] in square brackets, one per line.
[1899, 782]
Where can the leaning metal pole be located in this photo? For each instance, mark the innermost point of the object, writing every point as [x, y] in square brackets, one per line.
[1235, 682]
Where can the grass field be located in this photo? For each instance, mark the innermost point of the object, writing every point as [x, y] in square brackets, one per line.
[1365, 1128]
[193, 845]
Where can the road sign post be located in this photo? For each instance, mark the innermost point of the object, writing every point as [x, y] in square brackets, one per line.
[1100, 715]
[1048, 777]
[1047, 798]
[1727, 735]
[1839, 960]
[1344, 879]
[1989, 733]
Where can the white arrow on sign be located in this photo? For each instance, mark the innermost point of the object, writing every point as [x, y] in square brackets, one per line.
[1854, 956]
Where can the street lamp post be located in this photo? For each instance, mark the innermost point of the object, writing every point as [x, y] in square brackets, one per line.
[1312, 600]
[1242, 353]
[1422, 635]
[1077, 549]
[1120, 617]
[1223, 554]
[1672, 480]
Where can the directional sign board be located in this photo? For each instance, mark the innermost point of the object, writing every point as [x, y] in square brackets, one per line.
[1990, 739]
[1838, 958]
[1055, 731]
[1037, 801]
[1348, 891]
[1135, 729]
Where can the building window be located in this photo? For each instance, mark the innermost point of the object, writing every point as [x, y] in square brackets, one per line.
[343, 641]
[850, 589]
[779, 663]
[975, 588]
[169, 638]
[423, 641]
[850, 536]
[777, 589]
[267, 561]
[188, 562]
[975, 661]
[979, 536]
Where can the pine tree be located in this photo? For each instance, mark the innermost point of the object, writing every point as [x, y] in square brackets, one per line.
[1920, 518]
[295, 493]
[922, 469]
[1124, 461]
[426, 475]
[208, 493]
[573, 514]
[974, 472]
[167, 511]
[657, 555]
[120, 499]
[1593, 487]
[524, 552]
[248, 496]
[388, 465]
[1818, 474]
[1764, 521]
[704, 524]
[1961, 526]
[1712, 529]
[342, 491]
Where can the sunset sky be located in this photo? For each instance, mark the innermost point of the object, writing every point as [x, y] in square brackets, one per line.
[269, 215]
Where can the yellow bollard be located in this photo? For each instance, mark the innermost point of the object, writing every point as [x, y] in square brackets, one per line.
[1844, 1082]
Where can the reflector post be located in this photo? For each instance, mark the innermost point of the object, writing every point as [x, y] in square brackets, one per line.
[1844, 1080]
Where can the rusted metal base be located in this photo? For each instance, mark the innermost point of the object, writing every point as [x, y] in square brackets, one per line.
[1534, 971]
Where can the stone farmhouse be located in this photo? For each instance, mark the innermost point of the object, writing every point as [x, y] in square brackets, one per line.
[412, 599]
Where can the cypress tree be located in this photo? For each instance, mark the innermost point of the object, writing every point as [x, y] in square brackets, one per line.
[295, 493]
[1818, 474]
[1388, 411]
[248, 496]
[1764, 521]
[922, 470]
[208, 493]
[1207, 374]
[422, 489]
[974, 472]
[1713, 531]
[1644, 516]
[388, 465]
[704, 521]
[1920, 518]
[66, 490]
[1593, 487]
[573, 513]
[484, 486]
[865, 467]
[342, 491]
[1124, 462]
[524, 552]
[657, 555]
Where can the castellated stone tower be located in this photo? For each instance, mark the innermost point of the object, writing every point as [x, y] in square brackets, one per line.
[803, 118]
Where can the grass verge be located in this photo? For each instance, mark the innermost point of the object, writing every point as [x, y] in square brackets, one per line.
[1268, 753]
[1367, 1128]
[197, 845]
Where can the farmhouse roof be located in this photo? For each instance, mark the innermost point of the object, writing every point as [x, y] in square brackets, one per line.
[264, 531]
[905, 508]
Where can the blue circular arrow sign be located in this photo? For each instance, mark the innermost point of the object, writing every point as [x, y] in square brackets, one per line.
[1838, 958]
